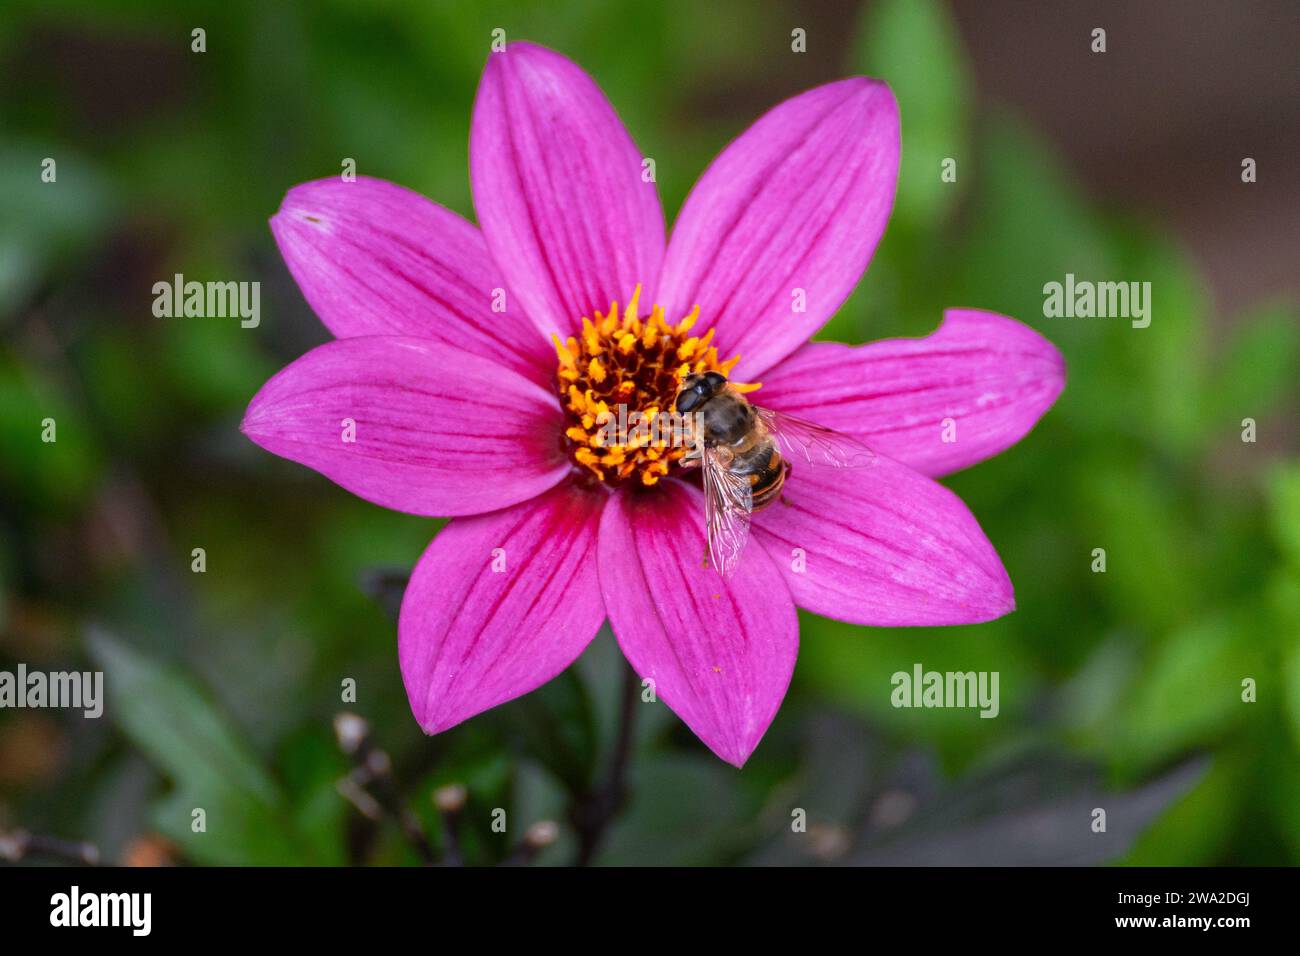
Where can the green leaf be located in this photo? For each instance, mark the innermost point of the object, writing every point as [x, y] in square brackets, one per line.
[1261, 363]
[1181, 835]
[43, 221]
[982, 820]
[311, 766]
[213, 362]
[1284, 504]
[179, 729]
[854, 667]
[913, 46]
[1191, 691]
[683, 811]
[557, 724]
[1028, 225]
[1150, 578]
[40, 474]
[1167, 359]
[1291, 692]
[1280, 782]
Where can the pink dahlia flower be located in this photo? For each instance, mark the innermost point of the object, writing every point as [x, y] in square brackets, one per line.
[471, 365]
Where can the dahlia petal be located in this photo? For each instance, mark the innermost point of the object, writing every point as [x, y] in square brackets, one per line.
[992, 376]
[883, 546]
[499, 604]
[558, 188]
[374, 258]
[794, 207]
[436, 431]
[720, 653]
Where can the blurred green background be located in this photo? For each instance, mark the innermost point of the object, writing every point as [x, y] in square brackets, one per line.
[1120, 690]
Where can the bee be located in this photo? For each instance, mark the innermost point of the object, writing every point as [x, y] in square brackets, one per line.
[746, 453]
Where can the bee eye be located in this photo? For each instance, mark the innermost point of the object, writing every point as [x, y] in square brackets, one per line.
[715, 381]
[688, 400]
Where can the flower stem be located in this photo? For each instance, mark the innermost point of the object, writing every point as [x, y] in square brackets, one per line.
[592, 814]
[370, 786]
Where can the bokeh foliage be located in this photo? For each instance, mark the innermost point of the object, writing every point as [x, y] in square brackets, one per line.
[224, 684]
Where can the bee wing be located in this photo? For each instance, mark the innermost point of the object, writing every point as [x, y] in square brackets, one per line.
[804, 442]
[727, 504]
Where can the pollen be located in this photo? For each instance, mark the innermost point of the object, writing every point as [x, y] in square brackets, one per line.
[621, 369]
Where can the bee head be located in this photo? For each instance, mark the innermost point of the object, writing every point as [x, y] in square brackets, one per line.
[697, 388]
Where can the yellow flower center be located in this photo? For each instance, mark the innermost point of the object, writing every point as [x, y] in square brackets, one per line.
[637, 362]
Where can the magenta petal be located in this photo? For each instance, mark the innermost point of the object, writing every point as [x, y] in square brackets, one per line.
[437, 431]
[793, 208]
[720, 653]
[373, 258]
[558, 188]
[883, 546]
[992, 376]
[499, 604]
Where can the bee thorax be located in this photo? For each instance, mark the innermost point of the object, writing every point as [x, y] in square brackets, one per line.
[727, 419]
